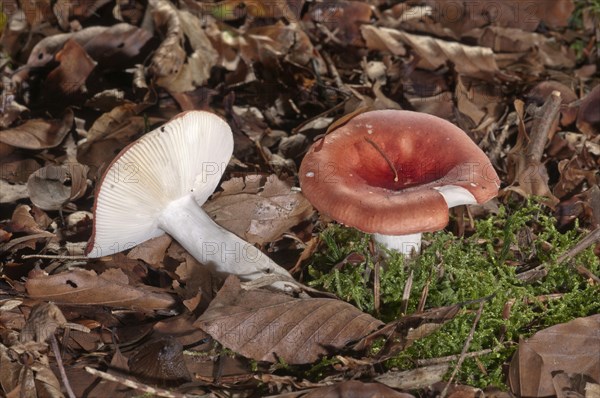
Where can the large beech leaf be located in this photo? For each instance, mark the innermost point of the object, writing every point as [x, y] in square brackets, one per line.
[570, 348]
[38, 133]
[268, 326]
[85, 287]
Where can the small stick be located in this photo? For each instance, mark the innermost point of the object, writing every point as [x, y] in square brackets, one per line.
[587, 241]
[450, 358]
[388, 161]
[543, 121]
[54, 257]
[377, 286]
[465, 348]
[133, 384]
[406, 293]
[61, 367]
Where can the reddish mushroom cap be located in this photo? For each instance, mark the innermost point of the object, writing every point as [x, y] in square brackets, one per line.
[346, 175]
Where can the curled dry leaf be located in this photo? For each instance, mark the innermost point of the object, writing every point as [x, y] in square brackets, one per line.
[43, 321]
[267, 326]
[160, 362]
[173, 70]
[475, 61]
[572, 347]
[39, 133]
[114, 45]
[74, 69]
[84, 287]
[51, 187]
[257, 209]
[588, 118]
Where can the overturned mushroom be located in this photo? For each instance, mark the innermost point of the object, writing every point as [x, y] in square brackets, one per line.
[395, 174]
[158, 183]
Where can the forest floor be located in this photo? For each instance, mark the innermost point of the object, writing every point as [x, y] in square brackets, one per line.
[504, 301]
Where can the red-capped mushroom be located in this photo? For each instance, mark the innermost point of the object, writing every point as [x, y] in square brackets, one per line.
[159, 183]
[395, 174]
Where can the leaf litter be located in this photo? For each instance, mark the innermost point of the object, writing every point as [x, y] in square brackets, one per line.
[81, 81]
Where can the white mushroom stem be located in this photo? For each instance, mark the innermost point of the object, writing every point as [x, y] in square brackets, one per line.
[404, 244]
[215, 247]
[408, 244]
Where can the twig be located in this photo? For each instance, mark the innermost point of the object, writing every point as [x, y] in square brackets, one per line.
[133, 384]
[61, 367]
[543, 120]
[54, 257]
[377, 286]
[465, 348]
[387, 160]
[334, 73]
[450, 358]
[406, 293]
[541, 270]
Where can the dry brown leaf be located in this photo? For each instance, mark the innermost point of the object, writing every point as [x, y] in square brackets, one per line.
[510, 40]
[22, 221]
[160, 362]
[43, 321]
[115, 45]
[382, 39]
[18, 170]
[38, 133]
[265, 325]
[527, 176]
[258, 210]
[478, 100]
[571, 176]
[588, 117]
[70, 76]
[151, 251]
[110, 133]
[355, 389]
[51, 187]
[343, 19]
[572, 347]
[12, 192]
[462, 16]
[85, 287]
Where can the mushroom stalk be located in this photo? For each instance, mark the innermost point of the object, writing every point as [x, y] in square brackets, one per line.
[215, 247]
[405, 244]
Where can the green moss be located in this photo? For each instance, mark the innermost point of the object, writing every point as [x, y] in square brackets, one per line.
[457, 270]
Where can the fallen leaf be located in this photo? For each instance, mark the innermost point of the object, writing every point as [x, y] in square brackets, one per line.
[572, 347]
[110, 133]
[355, 389]
[117, 45]
[267, 326]
[38, 133]
[256, 209]
[51, 187]
[69, 77]
[160, 362]
[588, 118]
[85, 287]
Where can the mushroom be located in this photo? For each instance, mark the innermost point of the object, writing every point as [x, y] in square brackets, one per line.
[158, 184]
[395, 174]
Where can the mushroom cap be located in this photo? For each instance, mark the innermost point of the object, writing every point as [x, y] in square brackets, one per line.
[186, 155]
[346, 176]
